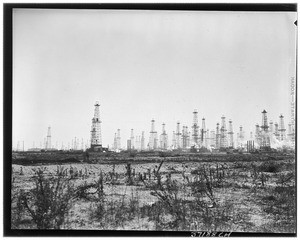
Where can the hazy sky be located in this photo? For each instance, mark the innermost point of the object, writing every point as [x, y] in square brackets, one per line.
[147, 64]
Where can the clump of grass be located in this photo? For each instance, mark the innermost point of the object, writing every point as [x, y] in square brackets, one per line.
[49, 201]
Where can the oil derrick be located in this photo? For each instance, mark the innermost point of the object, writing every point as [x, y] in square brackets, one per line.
[164, 138]
[230, 134]
[281, 129]
[213, 139]
[218, 136]
[223, 136]
[185, 136]
[276, 131]
[153, 136]
[265, 138]
[178, 136]
[132, 139]
[96, 139]
[48, 142]
[174, 140]
[203, 134]
[241, 137]
[115, 146]
[143, 141]
[195, 128]
[118, 140]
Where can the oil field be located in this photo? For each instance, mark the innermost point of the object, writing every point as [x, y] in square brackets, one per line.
[156, 120]
[249, 188]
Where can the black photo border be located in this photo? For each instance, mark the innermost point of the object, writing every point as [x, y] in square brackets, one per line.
[7, 107]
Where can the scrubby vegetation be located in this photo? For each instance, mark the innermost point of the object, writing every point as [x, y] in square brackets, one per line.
[257, 196]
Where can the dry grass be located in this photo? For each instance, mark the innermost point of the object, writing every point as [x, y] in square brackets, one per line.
[256, 196]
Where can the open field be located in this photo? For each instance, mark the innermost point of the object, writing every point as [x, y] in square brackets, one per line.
[219, 193]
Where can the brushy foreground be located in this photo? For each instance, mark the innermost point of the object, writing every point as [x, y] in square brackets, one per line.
[257, 196]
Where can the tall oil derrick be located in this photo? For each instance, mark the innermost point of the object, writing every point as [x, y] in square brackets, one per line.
[195, 129]
[174, 140]
[265, 138]
[218, 137]
[185, 136]
[164, 138]
[230, 134]
[115, 146]
[119, 139]
[188, 141]
[276, 131]
[203, 134]
[153, 136]
[131, 139]
[48, 142]
[178, 136]
[241, 137]
[143, 141]
[223, 137]
[281, 129]
[213, 139]
[96, 138]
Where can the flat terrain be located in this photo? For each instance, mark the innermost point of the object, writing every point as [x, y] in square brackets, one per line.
[226, 194]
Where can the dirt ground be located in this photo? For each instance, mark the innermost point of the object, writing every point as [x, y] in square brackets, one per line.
[237, 196]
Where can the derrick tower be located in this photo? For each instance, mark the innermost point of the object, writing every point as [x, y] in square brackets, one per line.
[230, 134]
[265, 138]
[178, 136]
[174, 140]
[223, 137]
[164, 138]
[281, 128]
[195, 128]
[153, 136]
[48, 142]
[218, 136]
[203, 134]
[241, 136]
[118, 139]
[185, 137]
[96, 139]
[143, 141]
[132, 139]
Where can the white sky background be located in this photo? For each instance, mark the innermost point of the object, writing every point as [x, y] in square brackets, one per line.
[147, 64]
